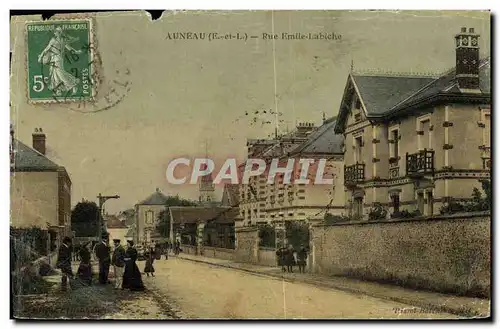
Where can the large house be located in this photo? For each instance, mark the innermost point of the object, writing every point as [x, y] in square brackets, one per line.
[417, 142]
[147, 218]
[40, 189]
[116, 228]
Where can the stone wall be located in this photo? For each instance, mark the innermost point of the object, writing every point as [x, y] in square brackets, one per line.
[188, 249]
[448, 254]
[247, 245]
[219, 253]
[267, 256]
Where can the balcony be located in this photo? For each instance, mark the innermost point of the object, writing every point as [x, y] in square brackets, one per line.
[420, 163]
[354, 174]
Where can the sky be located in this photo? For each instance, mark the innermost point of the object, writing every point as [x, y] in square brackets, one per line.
[187, 98]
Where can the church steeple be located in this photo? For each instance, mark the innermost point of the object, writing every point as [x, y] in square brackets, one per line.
[206, 187]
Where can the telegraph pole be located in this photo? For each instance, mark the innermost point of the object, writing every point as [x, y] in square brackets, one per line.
[102, 199]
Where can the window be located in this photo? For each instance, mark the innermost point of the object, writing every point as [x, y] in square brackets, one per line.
[487, 130]
[420, 202]
[424, 129]
[358, 206]
[424, 126]
[357, 105]
[486, 152]
[149, 217]
[430, 204]
[395, 202]
[394, 151]
[358, 149]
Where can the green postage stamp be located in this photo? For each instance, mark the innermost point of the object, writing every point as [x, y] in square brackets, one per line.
[59, 60]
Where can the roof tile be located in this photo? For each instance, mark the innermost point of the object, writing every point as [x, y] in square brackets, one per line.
[26, 158]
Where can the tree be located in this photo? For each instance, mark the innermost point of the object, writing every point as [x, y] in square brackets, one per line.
[164, 223]
[297, 233]
[164, 216]
[85, 219]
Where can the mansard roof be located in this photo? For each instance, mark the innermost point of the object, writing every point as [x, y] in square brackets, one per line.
[383, 96]
[322, 140]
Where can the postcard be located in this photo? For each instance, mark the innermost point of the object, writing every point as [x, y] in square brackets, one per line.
[251, 165]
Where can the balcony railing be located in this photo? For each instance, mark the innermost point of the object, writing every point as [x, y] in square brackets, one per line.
[354, 174]
[420, 163]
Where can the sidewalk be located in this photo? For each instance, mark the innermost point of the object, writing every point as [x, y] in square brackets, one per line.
[90, 302]
[463, 306]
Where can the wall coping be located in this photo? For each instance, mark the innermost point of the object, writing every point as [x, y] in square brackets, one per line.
[246, 229]
[219, 249]
[267, 248]
[463, 215]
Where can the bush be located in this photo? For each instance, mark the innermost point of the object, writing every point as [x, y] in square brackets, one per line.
[27, 244]
[267, 236]
[297, 233]
[332, 219]
[406, 214]
[451, 208]
[378, 212]
[476, 203]
[46, 270]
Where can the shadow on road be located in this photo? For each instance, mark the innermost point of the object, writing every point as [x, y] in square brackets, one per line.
[88, 302]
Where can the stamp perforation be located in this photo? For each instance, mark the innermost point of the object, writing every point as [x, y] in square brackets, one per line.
[89, 19]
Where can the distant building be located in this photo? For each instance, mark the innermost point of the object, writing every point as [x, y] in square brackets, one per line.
[310, 201]
[116, 228]
[203, 226]
[206, 190]
[128, 216]
[276, 203]
[146, 222]
[417, 142]
[40, 189]
[230, 195]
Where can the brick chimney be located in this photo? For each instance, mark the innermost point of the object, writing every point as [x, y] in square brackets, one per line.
[39, 140]
[467, 59]
[304, 129]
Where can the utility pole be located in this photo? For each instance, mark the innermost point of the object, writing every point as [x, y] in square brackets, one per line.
[102, 199]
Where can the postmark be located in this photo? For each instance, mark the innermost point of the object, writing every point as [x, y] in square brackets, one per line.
[60, 56]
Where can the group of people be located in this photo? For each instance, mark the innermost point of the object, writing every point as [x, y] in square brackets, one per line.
[126, 272]
[289, 257]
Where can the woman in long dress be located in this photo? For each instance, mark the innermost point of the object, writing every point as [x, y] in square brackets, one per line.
[150, 258]
[84, 272]
[302, 259]
[290, 259]
[132, 276]
[60, 81]
[281, 255]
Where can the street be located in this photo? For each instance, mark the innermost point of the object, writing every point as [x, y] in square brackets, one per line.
[207, 291]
